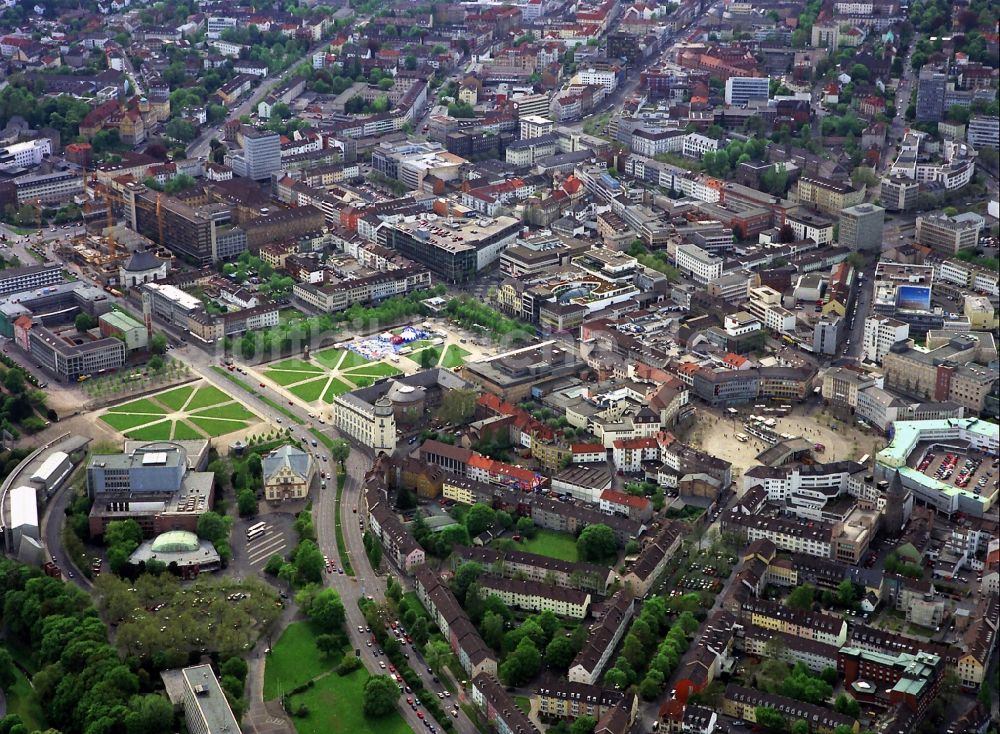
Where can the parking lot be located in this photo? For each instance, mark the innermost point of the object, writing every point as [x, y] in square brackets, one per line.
[972, 471]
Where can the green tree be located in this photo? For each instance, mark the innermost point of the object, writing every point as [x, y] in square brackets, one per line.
[14, 381]
[769, 718]
[596, 543]
[583, 725]
[800, 726]
[158, 344]
[380, 694]
[479, 518]
[7, 669]
[559, 653]
[85, 322]
[340, 450]
[521, 665]
[465, 576]
[437, 653]
[492, 629]
[246, 502]
[526, 527]
[309, 562]
[149, 714]
[801, 597]
[503, 520]
[327, 611]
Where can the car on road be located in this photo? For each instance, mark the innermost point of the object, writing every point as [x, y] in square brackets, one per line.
[381, 664]
[420, 715]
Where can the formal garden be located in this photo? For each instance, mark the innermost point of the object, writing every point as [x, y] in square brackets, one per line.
[194, 411]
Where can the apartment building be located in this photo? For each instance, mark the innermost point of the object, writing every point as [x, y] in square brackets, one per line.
[814, 538]
[539, 569]
[536, 596]
[742, 703]
[656, 552]
[949, 235]
[827, 195]
[333, 297]
[499, 708]
[969, 275]
[816, 626]
[791, 649]
[880, 333]
[604, 636]
[565, 700]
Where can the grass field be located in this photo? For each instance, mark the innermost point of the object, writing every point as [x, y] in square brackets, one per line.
[21, 700]
[288, 377]
[184, 432]
[329, 358]
[232, 411]
[337, 387]
[334, 707]
[551, 544]
[175, 399]
[142, 405]
[207, 395]
[310, 391]
[299, 365]
[454, 356]
[262, 398]
[294, 660]
[124, 421]
[159, 431]
[375, 369]
[214, 427]
[352, 359]
[523, 703]
[431, 354]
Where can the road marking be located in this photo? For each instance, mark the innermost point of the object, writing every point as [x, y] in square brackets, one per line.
[267, 548]
[271, 552]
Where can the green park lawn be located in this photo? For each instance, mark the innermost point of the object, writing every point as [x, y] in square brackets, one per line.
[375, 369]
[184, 432]
[454, 356]
[352, 359]
[288, 377]
[293, 660]
[337, 387]
[142, 405]
[299, 365]
[214, 427]
[335, 706]
[208, 395]
[551, 544]
[232, 411]
[431, 354]
[159, 431]
[124, 421]
[310, 391]
[176, 398]
[329, 358]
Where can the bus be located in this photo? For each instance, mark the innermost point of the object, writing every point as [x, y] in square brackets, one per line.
[256, 530]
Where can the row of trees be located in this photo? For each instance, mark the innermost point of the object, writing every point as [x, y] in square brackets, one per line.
[635, 664]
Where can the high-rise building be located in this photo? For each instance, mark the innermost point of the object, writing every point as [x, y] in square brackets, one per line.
[898, 193]
[861, 227]
[261, 154]
[983, 132]
[741, 90]
[931, 87]
[949, 235]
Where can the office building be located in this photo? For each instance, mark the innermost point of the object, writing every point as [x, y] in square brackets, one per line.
[931, 87]
[949, 235]
[899, 193]
[206, 709]
[454, 250]
[534, 126]
[161, 485]
[861, 227]
[68, 361]
[119, 324]
[198, 234]
[983, 132]
[703, 266]
[261, 154]
[25, 155]
[29, 277]
[881, 332]
[741, 90]
[288, 472]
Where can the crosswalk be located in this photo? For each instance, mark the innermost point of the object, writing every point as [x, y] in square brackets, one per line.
[270, 543]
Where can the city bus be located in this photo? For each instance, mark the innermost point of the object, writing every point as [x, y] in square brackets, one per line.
[255, 531]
